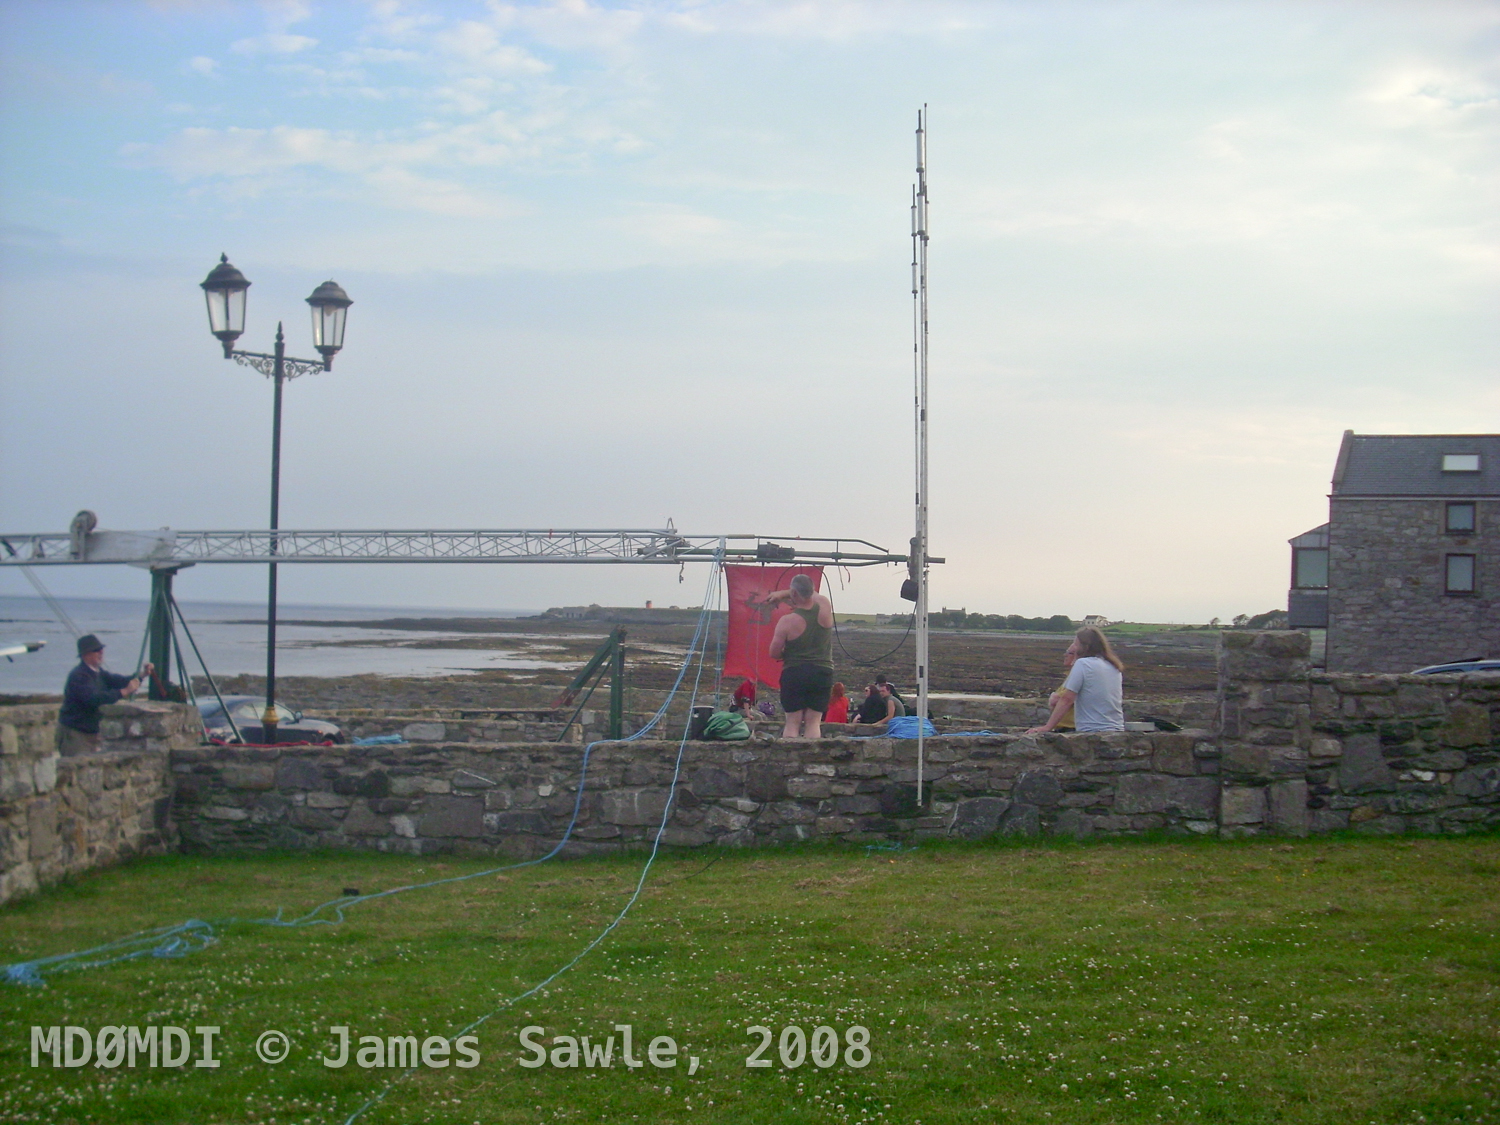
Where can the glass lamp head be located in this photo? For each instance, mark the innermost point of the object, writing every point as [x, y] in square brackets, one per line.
[330, 308]
[224, 289]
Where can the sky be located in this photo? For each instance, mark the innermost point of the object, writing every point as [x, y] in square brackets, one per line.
[619, 263]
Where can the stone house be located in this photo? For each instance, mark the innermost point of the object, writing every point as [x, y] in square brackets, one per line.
[1406, 572]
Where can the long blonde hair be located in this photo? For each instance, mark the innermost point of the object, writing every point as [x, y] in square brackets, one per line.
[1091, 642]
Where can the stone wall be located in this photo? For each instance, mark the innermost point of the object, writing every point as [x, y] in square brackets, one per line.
[1387, 611]
[484, 798]
[449, 724]
[1304, 751]
[959, 711]
[63, 816]
[519, 722]
[1294, 751]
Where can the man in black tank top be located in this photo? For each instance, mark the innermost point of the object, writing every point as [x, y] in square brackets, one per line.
[803, 641]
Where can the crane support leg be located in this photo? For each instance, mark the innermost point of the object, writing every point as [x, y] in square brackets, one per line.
[617, 688]
[159, 634]
[611, 653]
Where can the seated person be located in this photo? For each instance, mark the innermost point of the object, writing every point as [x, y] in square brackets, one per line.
[1094, 687]
[894, 708]
[1066, 723]
[838, 706]
[900, 699]
[872, 709]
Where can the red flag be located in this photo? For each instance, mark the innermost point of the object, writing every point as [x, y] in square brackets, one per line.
[752, 621]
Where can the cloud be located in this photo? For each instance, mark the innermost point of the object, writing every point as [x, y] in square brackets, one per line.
[395, 22]
[253, 159]
[572, 24]
[272, 43]
[376, 55]
[280, 15]
[827, 19]
[566, 88]
[188, 5]
[15, 235]
[234, 152]
[202, 64]
[479, 44]
[679, 226]
[284, 13]
[406, 190]
[36, 81]
[1387, 161]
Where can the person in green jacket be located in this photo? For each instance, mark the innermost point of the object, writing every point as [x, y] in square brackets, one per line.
[803, 642]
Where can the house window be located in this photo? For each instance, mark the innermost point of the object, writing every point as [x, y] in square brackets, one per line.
[1460, 517]
[1310, 568]
[1460, 574]
[1460, 462]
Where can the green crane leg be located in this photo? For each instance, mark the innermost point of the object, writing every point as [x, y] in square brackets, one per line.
[159, 634]
[617, 688]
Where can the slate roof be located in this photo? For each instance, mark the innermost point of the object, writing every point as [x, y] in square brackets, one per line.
[1412, 465]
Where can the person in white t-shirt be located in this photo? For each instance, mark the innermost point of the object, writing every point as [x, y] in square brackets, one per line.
[1094, 688]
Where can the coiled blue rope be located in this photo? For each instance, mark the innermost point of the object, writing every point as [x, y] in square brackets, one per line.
[168, 941]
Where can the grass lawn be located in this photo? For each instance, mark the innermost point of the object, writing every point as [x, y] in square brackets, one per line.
[1337, 980]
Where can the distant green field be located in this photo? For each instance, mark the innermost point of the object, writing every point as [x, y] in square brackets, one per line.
[1338, 980]
[1128, 627]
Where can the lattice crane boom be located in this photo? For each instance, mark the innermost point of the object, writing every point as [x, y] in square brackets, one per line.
[168, 548]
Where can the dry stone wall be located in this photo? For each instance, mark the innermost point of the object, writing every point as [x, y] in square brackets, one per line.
[485, 798]
[63, 816]
[1305, 751]
[542, 724]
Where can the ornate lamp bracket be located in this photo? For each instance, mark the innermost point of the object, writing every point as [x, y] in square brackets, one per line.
[266, 364]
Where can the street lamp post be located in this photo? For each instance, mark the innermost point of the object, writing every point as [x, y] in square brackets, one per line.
[225, 290]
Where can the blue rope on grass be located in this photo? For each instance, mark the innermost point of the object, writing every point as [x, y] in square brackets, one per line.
[168, 941]
[196, 934]
[889, 846]
[710, 598]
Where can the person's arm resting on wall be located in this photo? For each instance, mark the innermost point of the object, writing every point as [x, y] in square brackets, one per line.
[1063, 703]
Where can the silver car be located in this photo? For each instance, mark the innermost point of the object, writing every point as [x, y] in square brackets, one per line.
[1473, 664]
[247, 710]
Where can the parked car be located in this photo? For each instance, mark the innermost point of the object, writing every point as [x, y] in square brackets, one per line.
[247, 710]
[1472, 664]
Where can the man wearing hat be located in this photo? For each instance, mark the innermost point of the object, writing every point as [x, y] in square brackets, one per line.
[89, 688]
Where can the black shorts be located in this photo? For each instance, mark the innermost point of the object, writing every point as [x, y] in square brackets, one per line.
[806, 687]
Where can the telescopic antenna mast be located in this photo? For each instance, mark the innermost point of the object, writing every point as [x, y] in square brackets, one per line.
[919, 349]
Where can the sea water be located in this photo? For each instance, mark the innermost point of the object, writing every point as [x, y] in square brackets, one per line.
[231, 649]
